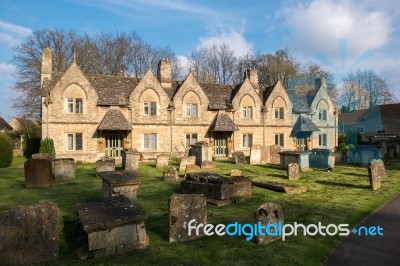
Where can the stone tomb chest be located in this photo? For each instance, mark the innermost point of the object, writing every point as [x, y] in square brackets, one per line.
[217, 187]
[121, 183]
[110, 227]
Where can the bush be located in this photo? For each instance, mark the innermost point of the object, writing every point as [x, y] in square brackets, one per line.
[6, 150]
[32, 146]
[47, 146]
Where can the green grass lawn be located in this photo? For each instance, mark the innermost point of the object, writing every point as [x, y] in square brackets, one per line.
[342, 196]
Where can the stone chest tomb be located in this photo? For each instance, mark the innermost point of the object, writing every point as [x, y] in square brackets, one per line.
[121, 183]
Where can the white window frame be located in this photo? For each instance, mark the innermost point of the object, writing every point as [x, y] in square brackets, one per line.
[247, 112]
[72, 142]
[279, 113]
[381, 129]
[247, 140]
[323, 115]
[280, 139]
[190, 139]
[150, 141]
[150, 108]
[74, 105]
[191, 110]
[323, 140]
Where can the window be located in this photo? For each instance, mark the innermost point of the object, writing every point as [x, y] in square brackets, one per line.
[150, 141]
[191, 139]
[380, 129]
[247, 140]
[74, 106]
[360, 129]
[150, 108]
[74, 142]
[191, 110]
[247, 112]
[322, 115]
[322, 140]
[280, 140]
[279, 113]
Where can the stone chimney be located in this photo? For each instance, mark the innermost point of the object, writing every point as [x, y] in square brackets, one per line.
[164, 73]
[252, 75]
[47, 65]
[319, 82]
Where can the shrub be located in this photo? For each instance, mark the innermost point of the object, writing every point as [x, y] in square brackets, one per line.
[47, 146]
[6, 150]
[32, 146]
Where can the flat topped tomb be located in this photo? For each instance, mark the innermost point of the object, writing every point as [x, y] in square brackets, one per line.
[281, 187]
[120, 183]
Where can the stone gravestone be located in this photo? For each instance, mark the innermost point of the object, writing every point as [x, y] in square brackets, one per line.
[121, 183]
[41, 156]
[192, 168]
[105, 164]
[182, 210]
[255, 154]
[265, 154]
[190, 160]
[203, 153]
[293, 171]
[171, 175]
[239, 157]
[162, 161]
[376, 171]
[29, 234]
[130, 160]
[64, 168]
[274, 154]
[269, 215]
[38, 173]
[236, 172]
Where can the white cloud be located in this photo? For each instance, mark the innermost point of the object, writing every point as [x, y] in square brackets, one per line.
[7, 69]
[318, 25]
[235, 40]
[12, 34]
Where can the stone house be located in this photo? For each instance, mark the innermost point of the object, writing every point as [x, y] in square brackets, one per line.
[4, 126]
[20, 127]
[89, 116]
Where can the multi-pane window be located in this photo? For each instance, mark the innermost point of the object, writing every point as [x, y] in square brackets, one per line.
[322, 140]
[191, 109]
[280, 139]
[322, 115]
[150, 141]
[247, 140]
[191, 139]
[247, 112]
[75, 106]
[360, 129]
[279, 113]
[74, 142]
[150, 108]
[380, 129]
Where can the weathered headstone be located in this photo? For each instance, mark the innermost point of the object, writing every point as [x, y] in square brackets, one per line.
[255, 154]
[271, 216]
[207, 165]
[41, 156]
[280, 187]
[190, 160]
[38, 173]
[376, 171]
[105, 164]
[293, 171]
[110, 227]
[121, 183]
[192, 168]
[265, 154]
[236, 172]
[184, 211]
[203, 153]
[162, 161]
[130, 160]
[29, 234]
[384, 149]
[64, 168]
[239, 157]
[171, 175]
[274, 154]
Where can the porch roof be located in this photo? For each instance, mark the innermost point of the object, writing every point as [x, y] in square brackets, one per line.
[114, 119]
[304, 124]
[223, 122]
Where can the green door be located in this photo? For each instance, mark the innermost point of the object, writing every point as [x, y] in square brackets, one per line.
[220, 148]
[114, 146]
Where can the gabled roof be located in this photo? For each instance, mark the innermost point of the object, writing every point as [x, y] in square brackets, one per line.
[302, 97]
[304, 124]
[222, 122]
[114, 119]
[4, 125]
[353, 117]
[219, 96]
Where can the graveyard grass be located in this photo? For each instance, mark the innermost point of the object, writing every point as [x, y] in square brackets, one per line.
[342, 196]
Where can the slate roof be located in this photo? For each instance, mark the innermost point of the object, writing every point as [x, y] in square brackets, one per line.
[4, 125]
[114, 119]
[301, 97]
[353, 117]
[222, 122]
[304, 124]
[219, 96]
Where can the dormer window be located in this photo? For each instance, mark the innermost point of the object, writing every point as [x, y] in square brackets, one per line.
[150, 108]
[75, 106]
[279, 113]
[247, 112]
[191, 110]
[322, 115]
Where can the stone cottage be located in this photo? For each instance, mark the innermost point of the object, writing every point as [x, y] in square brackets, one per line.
[89, 116]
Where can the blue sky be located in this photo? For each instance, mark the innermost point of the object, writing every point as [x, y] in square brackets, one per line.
[338, 30]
